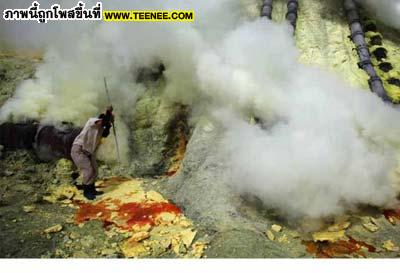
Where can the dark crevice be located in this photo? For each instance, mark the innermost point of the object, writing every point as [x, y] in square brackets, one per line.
[385, 67]
[394, 81]
[380, 53]
[371, 27]
[376, 40]
[179, 133]
[152, 74]
[3, 74]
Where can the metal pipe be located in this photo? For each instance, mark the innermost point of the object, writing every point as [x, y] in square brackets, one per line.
[266, 9]
[291, 15]
[358, 38]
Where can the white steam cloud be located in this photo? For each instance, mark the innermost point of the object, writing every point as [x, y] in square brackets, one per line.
[324, 147]
[68, 86]
[327, 147]
[388, 11]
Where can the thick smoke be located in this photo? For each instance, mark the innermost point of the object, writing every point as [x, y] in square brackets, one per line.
[388, 11]
[321, 148]
[68, 86]
[324, 146]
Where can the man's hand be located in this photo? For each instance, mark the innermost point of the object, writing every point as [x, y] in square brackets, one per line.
[109, 112]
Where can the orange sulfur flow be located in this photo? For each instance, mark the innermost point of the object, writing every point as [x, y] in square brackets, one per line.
[179, 155]
[338, 249]
[391, 215]
[124, 215]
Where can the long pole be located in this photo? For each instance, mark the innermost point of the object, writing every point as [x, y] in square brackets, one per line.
[112, 122]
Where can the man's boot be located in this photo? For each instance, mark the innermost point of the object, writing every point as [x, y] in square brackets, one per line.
[88, 192]
[94, 191]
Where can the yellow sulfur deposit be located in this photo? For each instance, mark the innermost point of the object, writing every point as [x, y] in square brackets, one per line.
[63, 170]
[53, 229]
[154, 196]
[270, 235]
[327, 45]
[390, 246]
[134, 249]
[139, 236]
[329, 236]
[166, 231]
[276, 228]
[63, 192]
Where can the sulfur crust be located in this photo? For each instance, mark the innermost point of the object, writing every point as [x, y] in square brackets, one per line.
[322, 39]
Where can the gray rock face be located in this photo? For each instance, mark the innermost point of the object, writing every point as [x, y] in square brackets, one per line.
[154, 134]
[200, 187]
[203, 191]
[13, 70]
[244, 244]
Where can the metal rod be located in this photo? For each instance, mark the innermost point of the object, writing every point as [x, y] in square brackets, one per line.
[112, 122]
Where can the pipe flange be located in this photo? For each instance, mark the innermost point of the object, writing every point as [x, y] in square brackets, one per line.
[355, 33]
[295, 3]
[361, 64]
[375, 79]
[361, 47]
[355, 21]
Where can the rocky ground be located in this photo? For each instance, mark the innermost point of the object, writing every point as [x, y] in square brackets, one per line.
[43, 215]
[25, 215]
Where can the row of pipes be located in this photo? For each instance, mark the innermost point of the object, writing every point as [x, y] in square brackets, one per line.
[357, 36]
[291, 15]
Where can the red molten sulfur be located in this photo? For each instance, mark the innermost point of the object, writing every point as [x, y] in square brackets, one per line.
[391, 214]
[89, 211]
[337, 249]
[124, 215]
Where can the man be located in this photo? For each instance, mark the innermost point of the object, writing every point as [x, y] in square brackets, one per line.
[84, 148]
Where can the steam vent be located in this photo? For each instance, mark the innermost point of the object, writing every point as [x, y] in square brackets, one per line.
[213, 129]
